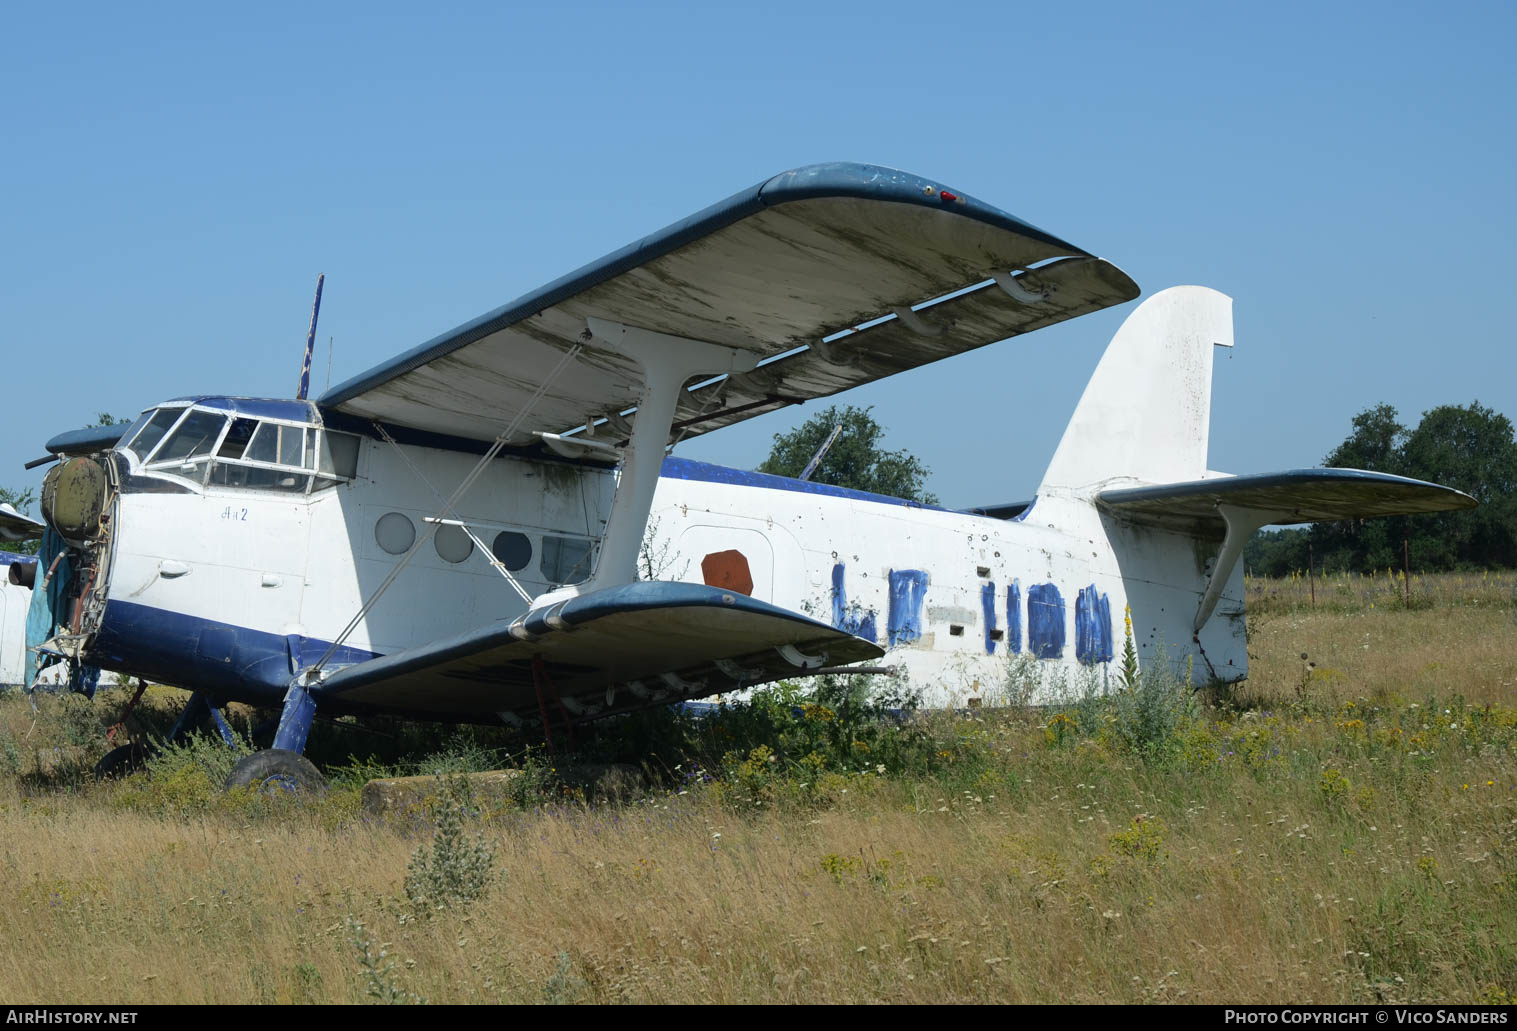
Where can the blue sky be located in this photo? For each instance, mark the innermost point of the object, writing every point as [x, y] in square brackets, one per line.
[174, 178]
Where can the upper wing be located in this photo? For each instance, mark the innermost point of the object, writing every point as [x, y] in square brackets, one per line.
[1298, 496]
[16, 527]
[775, 270]
[612, 650]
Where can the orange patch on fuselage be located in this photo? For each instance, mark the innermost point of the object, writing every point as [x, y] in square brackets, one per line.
[727, 570]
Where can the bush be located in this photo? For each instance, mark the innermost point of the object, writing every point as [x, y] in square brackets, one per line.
[1150, 712]
[183, 777]
[453, 870]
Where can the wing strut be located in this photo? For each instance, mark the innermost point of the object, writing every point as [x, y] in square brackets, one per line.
[667, 363]
[1241, 524]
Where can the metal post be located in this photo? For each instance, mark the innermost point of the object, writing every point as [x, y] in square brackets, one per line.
[1310, 575]
[817, 458]
[1406, 571]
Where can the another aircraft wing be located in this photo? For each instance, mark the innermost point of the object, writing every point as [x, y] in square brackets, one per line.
[834, 274]
[614, 650]
[16, 527]
[1297, 496]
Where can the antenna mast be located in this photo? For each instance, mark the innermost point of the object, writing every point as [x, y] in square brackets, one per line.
[305, 369]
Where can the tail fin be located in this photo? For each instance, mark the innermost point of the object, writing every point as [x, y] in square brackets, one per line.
[1146, 413]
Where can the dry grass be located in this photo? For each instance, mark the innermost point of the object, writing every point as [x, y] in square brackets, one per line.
[1358, 847]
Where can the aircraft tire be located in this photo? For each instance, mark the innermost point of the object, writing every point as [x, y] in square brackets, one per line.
[122, 761]
[275, 770]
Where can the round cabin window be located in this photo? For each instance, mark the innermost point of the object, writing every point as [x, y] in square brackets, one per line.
[395, 533]
[512, 549]
[453, 545]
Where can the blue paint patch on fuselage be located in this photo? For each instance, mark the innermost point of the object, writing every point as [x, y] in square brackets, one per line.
[1014, 617]
[228, 663]
[1092, 626]
[856, 621]
[1045, 621]
[988, 606]
[908, 593]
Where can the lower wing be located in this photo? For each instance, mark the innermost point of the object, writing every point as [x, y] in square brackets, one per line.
[614, 650]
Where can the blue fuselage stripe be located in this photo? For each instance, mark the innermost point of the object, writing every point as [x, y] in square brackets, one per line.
[688, 469]
[230, 663]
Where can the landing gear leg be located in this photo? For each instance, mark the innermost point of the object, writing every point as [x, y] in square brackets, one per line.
[283, 768]
[127, 759]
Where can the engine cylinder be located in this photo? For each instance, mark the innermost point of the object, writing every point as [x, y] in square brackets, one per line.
[73, 497]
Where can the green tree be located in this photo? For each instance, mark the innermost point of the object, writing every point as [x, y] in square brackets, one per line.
[1470, 448]
[856, 459]
[1361, 544]
[1374, 444]
[1276, 552]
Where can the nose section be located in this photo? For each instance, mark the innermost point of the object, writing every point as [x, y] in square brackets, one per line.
[73, 498]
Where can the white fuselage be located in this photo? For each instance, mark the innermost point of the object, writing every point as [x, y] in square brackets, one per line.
[232, 590]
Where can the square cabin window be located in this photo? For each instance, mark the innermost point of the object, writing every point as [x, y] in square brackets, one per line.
[565, 560]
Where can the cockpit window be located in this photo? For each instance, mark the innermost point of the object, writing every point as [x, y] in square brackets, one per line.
[195, 436]
[339, 454]
[283, 445]
[148, 437]
[257, 477]
[236, 438]
[225, 449]
[276, 456]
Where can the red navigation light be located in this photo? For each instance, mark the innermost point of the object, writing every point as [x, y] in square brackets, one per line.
[946, 195]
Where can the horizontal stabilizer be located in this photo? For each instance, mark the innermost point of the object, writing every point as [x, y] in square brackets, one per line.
[1297, 496]
[614, 650]
[16, 527]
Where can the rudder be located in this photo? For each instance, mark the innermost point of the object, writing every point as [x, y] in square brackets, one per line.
[1145, 415]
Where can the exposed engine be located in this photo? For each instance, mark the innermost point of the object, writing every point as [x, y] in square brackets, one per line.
[78, 499]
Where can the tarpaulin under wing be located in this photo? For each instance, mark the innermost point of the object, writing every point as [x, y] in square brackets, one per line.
[803, 256]
[612, 650]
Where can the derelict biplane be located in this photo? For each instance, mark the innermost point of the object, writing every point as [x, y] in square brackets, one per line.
[455, 534]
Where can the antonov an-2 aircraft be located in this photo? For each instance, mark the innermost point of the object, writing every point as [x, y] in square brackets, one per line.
[456, 533]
